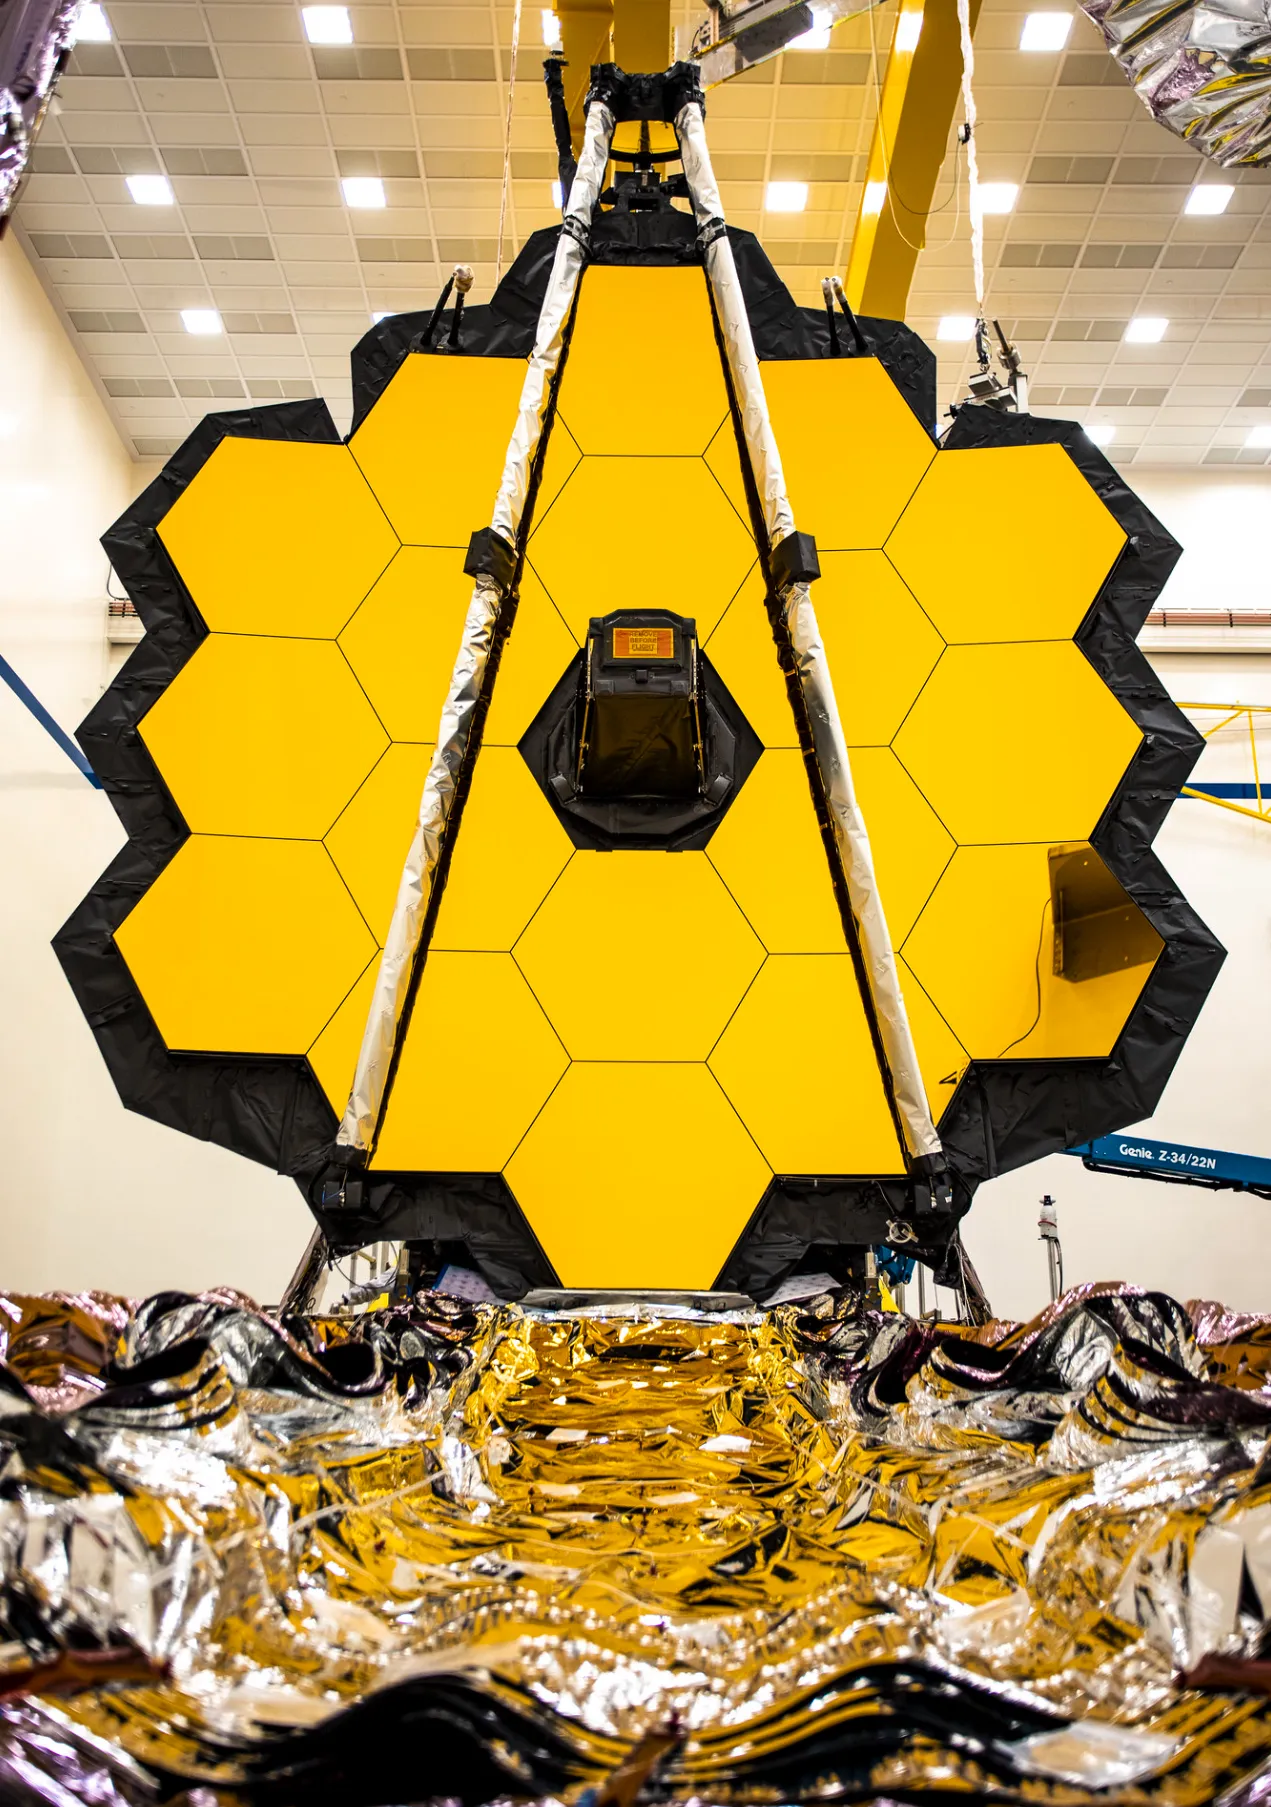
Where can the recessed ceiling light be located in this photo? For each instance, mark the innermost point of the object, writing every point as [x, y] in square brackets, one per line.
[817, 37]
[956, 326]
[327, 24]
[92, 26]
[551, 29]
[385, 313]
[150, 191]
[998, 197]
[875, 195]
[1045, 31]
[203, 321]
[908, 31]
[786, 197]
[363, 191]
[1209, 197]
[1145, 329]
[1100, 432]
[1259, 438]
[558, 199]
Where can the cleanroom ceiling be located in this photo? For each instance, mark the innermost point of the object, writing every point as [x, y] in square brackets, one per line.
[256, 131]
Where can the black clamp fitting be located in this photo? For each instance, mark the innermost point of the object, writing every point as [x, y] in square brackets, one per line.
[631, 96]
[490, 555]
[577, 229]
[932, 1189]
[793, 560]
[714, 228]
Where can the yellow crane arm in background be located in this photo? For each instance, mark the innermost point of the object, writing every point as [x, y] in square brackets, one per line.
[911, 134]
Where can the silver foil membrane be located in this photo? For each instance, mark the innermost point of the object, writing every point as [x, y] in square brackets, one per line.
[837, 1552]
[850, 833]
[1203, 70]
[361, 1116]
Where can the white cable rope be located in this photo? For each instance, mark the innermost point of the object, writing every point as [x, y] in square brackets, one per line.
[956, 196]
[507, 141]
[972, 161]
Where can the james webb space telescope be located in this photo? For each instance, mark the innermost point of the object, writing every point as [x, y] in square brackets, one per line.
[643, 807]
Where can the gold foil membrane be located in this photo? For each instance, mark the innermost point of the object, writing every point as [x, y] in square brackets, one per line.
[622, 1521]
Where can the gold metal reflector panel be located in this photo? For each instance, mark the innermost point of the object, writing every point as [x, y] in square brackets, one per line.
[296, 738]
[982, 739]
[646, 1037]
[644, 1166]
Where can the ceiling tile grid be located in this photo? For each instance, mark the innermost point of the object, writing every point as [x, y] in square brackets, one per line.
[255, 129]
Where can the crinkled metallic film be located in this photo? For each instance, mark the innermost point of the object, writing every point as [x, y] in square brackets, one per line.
[1201, 70]
[838, 1553]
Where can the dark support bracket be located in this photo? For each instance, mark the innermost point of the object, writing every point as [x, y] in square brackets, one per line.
[554, 77]
[794, 560]
[490, 555]
[661, 96]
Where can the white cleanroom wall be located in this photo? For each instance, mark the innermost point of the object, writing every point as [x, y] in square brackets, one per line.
[92, 1196]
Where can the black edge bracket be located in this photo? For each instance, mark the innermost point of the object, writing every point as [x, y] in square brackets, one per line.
[490, 555]
[794, 561]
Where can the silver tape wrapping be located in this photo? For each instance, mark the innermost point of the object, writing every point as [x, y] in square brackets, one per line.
[829, 742]
[401, 945]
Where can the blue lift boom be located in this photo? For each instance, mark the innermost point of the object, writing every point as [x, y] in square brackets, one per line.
[1144, 1157]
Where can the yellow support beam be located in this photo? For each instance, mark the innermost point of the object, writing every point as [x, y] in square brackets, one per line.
[642, 34]
[911, 135]
[586, 37]
[1246, 716]
[635, 34]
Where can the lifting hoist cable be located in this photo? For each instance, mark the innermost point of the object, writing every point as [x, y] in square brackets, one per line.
[507, 141]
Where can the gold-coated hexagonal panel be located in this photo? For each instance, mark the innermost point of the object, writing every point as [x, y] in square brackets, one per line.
[509, 852]
[643, 374]
[372, 837]
[984, 949]
[852, 449]
[333, 1056]
[723, 460]
[405, 637]
[434, 444]
[797, 1062]
[602, 951]
[744, 653]
[439, 1120]
[277, 537]
[669, 1209]
[769, 852]
[1034, 577]
[260, 736]
[638, 533]
[910, 844]
[559, 461]
[1017, 742]
[942, 1059]
[880, 645]
[244, 946]
[534, 656]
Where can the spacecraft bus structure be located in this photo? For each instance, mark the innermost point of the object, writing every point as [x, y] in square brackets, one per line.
[789, 774]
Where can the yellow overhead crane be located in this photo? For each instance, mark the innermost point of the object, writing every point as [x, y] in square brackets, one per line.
[919, 70]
